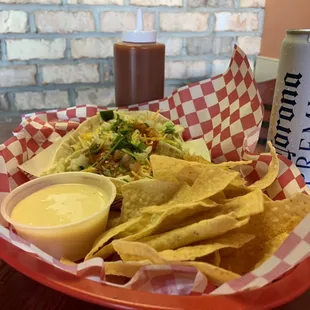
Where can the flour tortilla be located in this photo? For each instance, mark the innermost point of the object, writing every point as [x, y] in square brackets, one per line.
[66, 153]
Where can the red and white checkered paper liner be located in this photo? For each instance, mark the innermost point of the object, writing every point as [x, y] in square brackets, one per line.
[227, 112]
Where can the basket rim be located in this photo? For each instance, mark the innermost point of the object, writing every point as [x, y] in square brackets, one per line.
[272, 295]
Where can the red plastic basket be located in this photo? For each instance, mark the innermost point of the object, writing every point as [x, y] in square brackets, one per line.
[289, 287]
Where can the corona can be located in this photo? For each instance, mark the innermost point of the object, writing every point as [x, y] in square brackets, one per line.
[289, 128]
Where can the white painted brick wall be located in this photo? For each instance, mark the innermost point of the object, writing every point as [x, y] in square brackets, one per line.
[64, 22]
[13, 21]
[195, 22]
[173, 46]
[97, 96]
[227, 21]
[97, 2]
[92, 48]
[249, 44]
[68, 74]
[211, 3]
[26, 49]
[61, 55]
[41, 100]
[252, 3]
[186, 69]
[120, 21]
[219, 66]
[31, 1]
[157, 2]
[17, 76]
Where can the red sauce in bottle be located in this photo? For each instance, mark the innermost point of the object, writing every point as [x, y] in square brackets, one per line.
[139, 65]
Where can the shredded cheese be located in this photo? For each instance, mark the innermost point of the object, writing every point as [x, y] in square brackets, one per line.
[138, 177]
[155, 115]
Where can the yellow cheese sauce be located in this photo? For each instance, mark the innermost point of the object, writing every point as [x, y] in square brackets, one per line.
[59, 205]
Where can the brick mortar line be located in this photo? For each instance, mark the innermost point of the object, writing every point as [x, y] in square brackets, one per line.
[234, 42]
[51, 62]
[54, 35]
[72, 95]
[31, 23]
[48, 87]
[211, 23]
[157, 23]
[211, 56]
[12, 106]
[3, 51]
[101, 72]
[96, 17]
[184, 47]
[68, 50]
[123, 8]
[261, 16]
[85, 35]
[84, 86]
[39, 79]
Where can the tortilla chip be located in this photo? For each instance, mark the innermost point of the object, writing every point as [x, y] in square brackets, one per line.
[124, 269]
[113, 219]
[168, 223]
[233, 164]
[104, 252]
[227, 164]
[214, 274]
[178, 207]
[217, 258]
[189, 174]
[210, 182]
[196, 232]
[197, 158]
[108, 235]
[143, 252]
[239, 181]
[143, 193]
[232, 191]
[176, 217]
[167, 168]
[279, 217]
[144, 227]
[135, 251]
[267, 198]
[67, 262]
[218, 197]
[242, 206]
[229, 240]
[118, 184]
[270, 247]
[171, 218]
[273, 170]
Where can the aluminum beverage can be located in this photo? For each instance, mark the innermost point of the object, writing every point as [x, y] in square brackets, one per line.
[289, 127]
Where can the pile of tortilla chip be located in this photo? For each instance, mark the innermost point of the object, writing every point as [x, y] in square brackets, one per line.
[196, 213]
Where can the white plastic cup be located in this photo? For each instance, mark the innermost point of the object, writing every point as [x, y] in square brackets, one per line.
[71, 241]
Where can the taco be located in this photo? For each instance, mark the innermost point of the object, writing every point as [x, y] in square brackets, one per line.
[118, 144]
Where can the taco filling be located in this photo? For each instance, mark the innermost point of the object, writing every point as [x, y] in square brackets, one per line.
[120, 146]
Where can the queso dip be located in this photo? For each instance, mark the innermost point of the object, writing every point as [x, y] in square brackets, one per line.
[59, 205]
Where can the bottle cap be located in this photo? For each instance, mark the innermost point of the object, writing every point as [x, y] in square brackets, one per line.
[139, 35]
